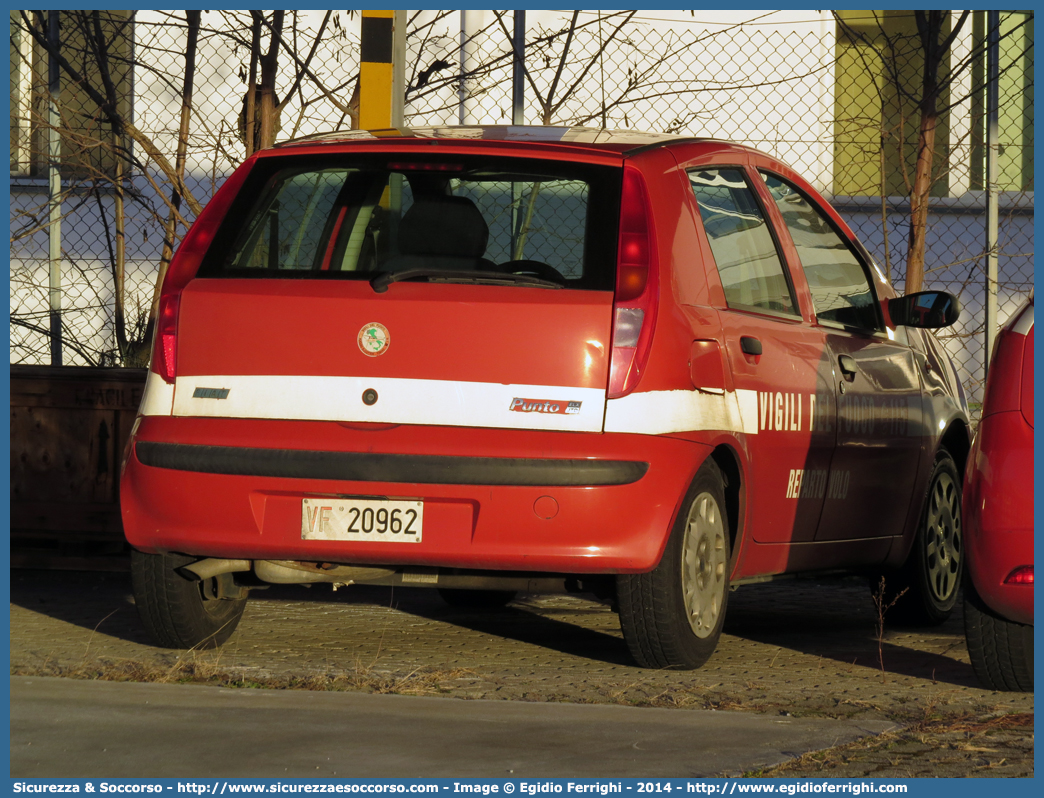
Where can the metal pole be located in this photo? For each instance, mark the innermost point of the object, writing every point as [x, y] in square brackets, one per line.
[518, 96]
[992, 206]
[398, 68]
[54, 192]
[377, 89]
[518, 86]
[462, 91]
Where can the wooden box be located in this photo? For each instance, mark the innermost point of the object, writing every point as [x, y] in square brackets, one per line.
[69, 426]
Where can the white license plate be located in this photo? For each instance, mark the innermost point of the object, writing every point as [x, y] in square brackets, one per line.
[372, 520]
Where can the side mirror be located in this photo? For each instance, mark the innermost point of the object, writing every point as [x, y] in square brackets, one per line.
[926, 309]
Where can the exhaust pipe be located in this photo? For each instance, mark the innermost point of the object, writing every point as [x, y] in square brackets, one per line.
[214, 566]
[297, 572]
[292, 572]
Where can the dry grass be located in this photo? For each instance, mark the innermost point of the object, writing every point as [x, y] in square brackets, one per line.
[954, 738]
[202, 668]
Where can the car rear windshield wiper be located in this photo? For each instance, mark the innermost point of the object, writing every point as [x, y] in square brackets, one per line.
[381, 282]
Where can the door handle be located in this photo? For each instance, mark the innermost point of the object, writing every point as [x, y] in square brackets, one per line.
[750, 345]
[848, 365]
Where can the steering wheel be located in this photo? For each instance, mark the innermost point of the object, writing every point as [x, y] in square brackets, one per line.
[534, 267]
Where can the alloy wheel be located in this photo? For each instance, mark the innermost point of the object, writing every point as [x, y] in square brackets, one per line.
[943, 543]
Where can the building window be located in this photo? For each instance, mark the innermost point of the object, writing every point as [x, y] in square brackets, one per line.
[878, 81]
[23, 61]
[87, 140]
[878, 72]
[1015, 107]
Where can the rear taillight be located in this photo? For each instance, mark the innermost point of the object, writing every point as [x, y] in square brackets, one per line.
[1020, 576]
[183, 268]
[166, 336]
[634, 304]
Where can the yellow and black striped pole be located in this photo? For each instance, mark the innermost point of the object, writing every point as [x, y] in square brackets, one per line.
[382, 69]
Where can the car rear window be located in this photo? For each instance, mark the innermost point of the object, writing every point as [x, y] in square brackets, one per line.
[355, 217]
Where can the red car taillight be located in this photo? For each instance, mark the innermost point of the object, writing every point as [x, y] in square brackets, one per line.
[634, 305]
[183, 268]
[1020, 576]
[163, 357]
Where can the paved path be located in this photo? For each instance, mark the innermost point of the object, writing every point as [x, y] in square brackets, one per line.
[808, 648]
[75, 728]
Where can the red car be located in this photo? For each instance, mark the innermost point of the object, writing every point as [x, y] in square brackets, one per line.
[998, 516]
[501, 359]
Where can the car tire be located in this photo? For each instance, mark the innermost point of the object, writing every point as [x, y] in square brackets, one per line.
[931, 577]
[477, 599]
[672, 616]
[1001, 651]
[174, 608]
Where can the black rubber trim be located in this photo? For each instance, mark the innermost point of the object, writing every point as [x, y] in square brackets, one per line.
[366, 467]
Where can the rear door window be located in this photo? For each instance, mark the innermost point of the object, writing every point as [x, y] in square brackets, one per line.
[378, 214]
[841, 292]
[748, 262]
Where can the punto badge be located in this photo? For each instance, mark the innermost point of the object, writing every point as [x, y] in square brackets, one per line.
[558, 407]
[374, 339]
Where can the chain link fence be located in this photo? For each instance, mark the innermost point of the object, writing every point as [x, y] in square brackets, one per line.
[839, 97]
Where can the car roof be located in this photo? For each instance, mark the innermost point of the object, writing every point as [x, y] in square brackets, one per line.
[587, 138]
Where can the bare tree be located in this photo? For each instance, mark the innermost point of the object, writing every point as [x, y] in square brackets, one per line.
[260, 119]
[106, 97]
[93, 71]
[925, 102]
[192, 20]
[551, 101]
[126, 164]
[298, 74]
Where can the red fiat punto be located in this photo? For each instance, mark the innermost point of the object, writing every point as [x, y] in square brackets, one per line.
[998, 512]
[496, 359]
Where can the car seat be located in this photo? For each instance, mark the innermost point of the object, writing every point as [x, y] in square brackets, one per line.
[446, 233]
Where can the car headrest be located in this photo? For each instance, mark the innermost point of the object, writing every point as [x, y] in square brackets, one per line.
[443, 226]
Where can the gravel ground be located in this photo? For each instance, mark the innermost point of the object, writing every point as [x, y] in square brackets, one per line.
[803, 647]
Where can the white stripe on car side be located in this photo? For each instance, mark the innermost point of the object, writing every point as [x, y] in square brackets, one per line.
[158, 399]
[661, 412]
[399, 401]
[451, 403]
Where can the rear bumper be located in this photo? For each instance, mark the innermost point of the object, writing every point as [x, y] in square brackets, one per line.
[998, 513]
[376, 467]
[494, 499]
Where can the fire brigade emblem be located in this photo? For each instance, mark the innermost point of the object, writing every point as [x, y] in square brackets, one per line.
[374, 339]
